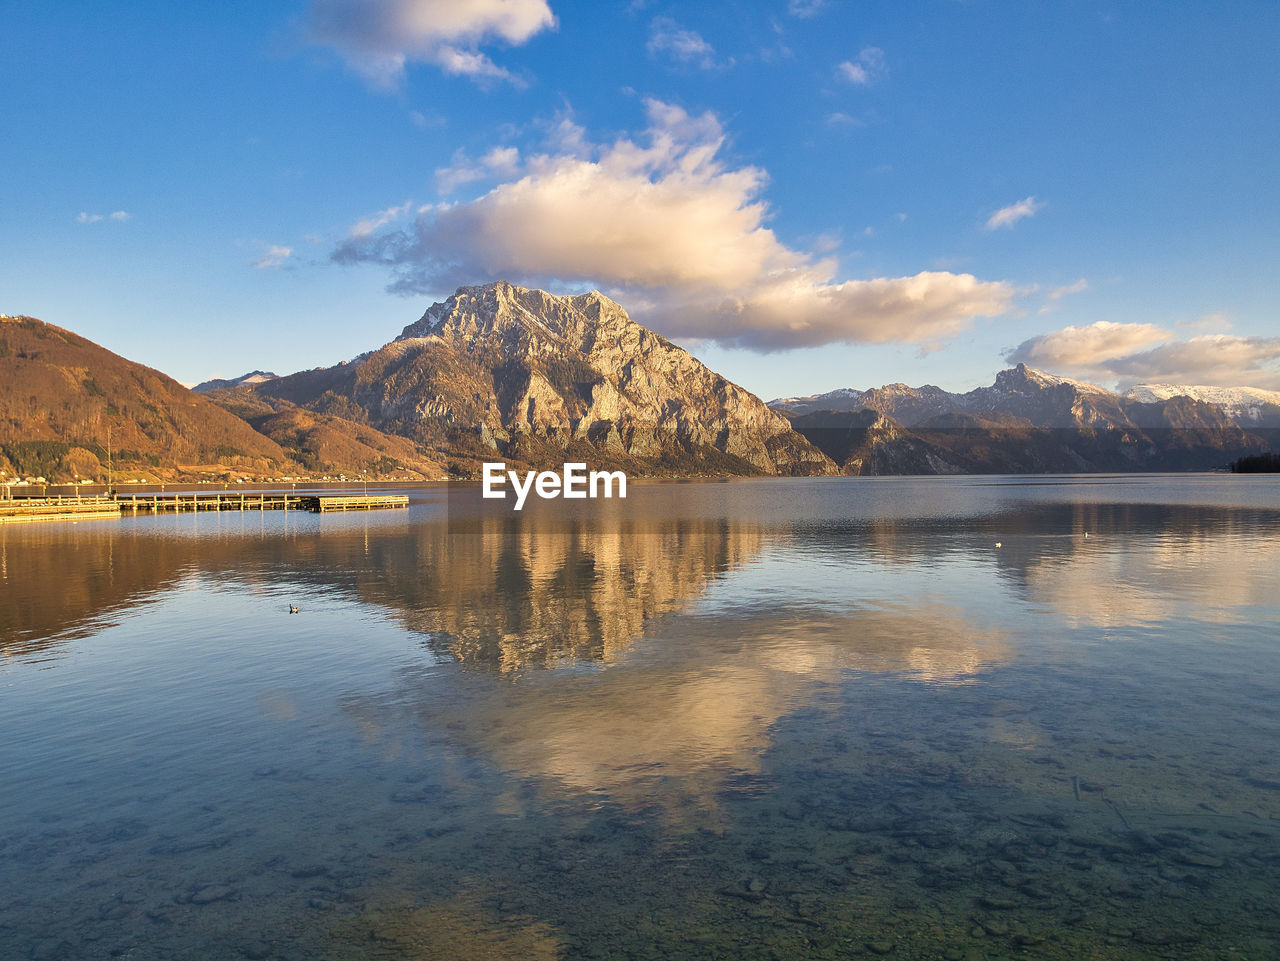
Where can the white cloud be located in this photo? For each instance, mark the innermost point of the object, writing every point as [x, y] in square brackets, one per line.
[867, 68]
[1079, 287]
[1219, 360]
[840, 119]
[84, 217]
[378, 37]
[367, 226]
[826, 242]
[1216, 321]
[804, 8]
[1086, 349]
[276, 256]
[805, 309]
[667, 38]
[1128, 354]
[1008, 216]
[497, 163]
[425, 121]
[1052, 297]
[678, 236]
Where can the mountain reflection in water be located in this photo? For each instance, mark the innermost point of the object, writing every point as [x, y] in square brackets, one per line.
[552, 587]
[759, 719]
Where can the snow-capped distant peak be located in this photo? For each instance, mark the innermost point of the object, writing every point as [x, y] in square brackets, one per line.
[1239, 403]
[247, 380]
[1149, 393]
[840, 393]
[1042, 378]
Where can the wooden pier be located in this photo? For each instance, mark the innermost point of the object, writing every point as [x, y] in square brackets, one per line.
[357, 502]
[50, 508]
[256, 501]
[37, 508]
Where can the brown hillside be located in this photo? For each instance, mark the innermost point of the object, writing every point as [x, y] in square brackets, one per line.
[327, 444]
[62, 398]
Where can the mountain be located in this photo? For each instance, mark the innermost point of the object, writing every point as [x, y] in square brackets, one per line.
[1045, 400]
[904, 404]
[64, 399]
[1027, 421]
[505, 372]
[868, 442]
[500, 370]
[1245, 405]
[245, 380]
[327, 445]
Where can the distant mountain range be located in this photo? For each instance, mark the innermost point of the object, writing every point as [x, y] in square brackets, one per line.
[247, 380]
[1016, 388]
[1031, 421]
[1247, 406]
[505, 372]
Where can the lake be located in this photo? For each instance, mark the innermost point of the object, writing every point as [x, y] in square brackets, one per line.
[962, 718]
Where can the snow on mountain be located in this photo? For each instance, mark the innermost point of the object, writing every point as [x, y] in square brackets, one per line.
[247, 380]
[1042, 379]
[832, 399]
[1239, 403]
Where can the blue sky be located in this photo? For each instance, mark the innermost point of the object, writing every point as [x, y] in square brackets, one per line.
[809, 194]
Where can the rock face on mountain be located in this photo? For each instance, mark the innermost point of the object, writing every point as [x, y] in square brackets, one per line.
[539, 379]
[64, 398]
[1026, 422]
[1045, 400]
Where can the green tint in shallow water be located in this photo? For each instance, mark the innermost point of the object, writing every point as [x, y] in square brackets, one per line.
[786, 719]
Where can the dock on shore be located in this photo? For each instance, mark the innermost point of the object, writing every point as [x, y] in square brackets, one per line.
[36, 508]
[41, 508]
[256, 501]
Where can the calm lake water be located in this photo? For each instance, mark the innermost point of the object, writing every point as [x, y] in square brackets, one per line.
[959, 718]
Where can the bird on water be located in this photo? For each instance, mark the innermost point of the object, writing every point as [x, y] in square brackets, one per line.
[293, 608]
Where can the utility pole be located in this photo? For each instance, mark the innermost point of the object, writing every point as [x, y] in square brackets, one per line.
[110, 489]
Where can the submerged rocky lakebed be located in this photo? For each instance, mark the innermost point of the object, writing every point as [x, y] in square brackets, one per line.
[960, 718]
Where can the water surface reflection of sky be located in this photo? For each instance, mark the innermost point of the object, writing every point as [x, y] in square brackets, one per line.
[738, 662]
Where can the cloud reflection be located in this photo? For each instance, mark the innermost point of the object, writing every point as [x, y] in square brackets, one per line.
[693, 706]
[1146, 565]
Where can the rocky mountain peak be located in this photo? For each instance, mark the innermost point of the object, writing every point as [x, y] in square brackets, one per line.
[530, 374]
[517, 320]
[1023, 379]
[1019, 379]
